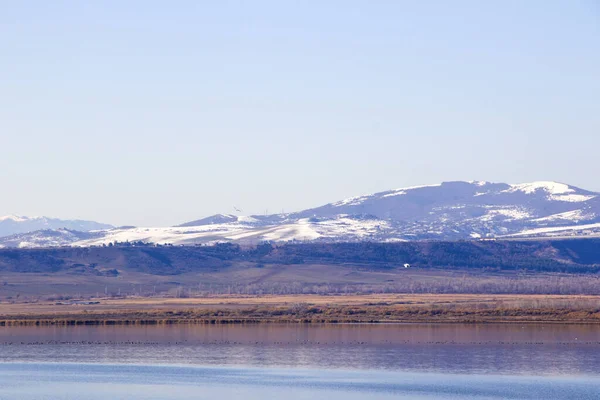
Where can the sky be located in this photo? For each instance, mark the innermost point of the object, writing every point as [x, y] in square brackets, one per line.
[156, 113]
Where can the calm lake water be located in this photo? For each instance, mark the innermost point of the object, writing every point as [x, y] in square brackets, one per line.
[415, 361]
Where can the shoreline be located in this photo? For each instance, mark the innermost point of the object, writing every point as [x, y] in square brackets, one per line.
[46, 323]
[298, 309]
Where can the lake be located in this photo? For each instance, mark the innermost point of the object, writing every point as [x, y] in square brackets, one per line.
[417, 361]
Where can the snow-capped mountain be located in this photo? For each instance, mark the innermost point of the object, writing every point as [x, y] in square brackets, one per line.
[458, 210]
[446, 211]
[13, 224]
[48, 238]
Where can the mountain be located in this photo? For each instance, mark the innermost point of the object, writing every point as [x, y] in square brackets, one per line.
[446, 211]
[12, 224]
[48, 238]
[213, 219]
[458, 210]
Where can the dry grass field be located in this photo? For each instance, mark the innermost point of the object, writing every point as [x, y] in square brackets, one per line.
[321, 283]
[375, 308]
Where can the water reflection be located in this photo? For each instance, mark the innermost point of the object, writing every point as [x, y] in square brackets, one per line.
[469, 349]
[101, 381]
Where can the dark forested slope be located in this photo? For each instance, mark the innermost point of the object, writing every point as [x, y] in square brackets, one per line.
[571, 256]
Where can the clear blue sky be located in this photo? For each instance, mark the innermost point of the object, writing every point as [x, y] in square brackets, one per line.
[154, 112]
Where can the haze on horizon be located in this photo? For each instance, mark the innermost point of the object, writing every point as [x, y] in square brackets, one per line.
[147, 114]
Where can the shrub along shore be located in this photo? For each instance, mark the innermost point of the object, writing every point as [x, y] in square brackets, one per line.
[495, 312]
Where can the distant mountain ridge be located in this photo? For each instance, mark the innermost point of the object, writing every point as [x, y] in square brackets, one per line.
[447, 211]
[13, 224]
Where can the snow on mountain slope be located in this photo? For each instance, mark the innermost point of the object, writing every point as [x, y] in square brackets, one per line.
[14, 218]
[554, 190]
[548, 187]
[12, 224]
[581, 230]
[213, 219]
[47, 238]
[243, 232]
[570, 216]
[446, 211]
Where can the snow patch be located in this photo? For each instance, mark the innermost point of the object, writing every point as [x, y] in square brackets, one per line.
[399, 193]
[416, 187]
[548, 186]
[571, 198]
[404, 190]
[508, 212]
[557, 229]
[302, 230]
[247, 220]
[575, 215]
[16, 218]
[351, 201]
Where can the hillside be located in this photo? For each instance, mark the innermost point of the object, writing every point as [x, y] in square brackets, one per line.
[446, 211]
[13, 225]
[559, 266]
